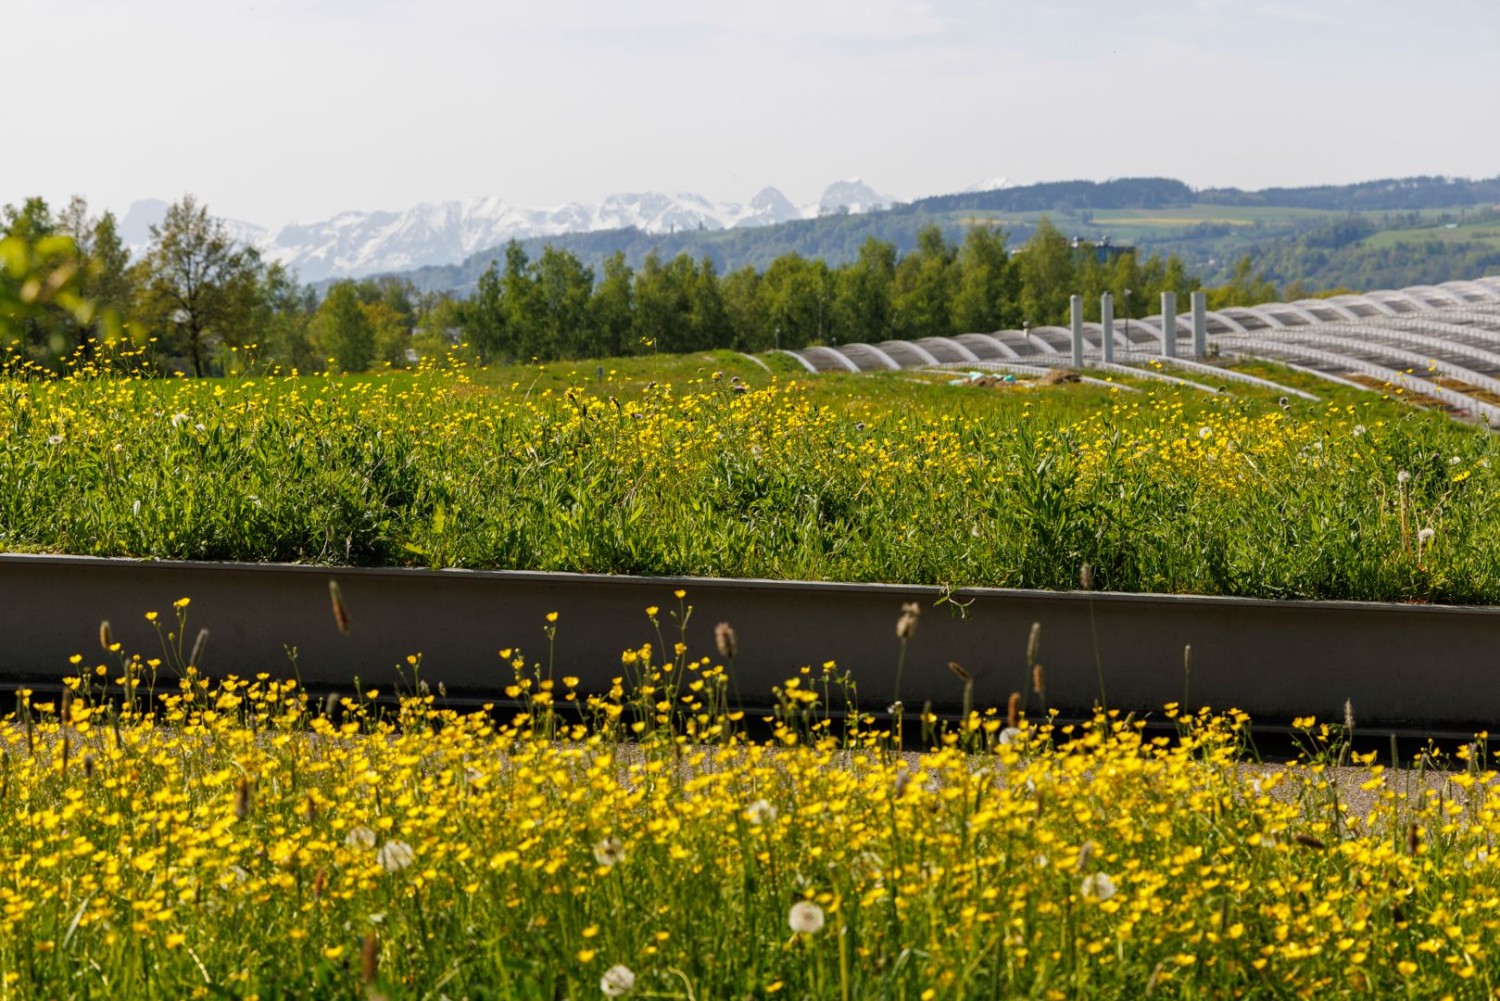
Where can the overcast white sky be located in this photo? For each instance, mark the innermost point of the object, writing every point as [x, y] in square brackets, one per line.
[279, 110]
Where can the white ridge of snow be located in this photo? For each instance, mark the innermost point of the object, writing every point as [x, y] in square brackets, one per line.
[989, 184]
[355, 244]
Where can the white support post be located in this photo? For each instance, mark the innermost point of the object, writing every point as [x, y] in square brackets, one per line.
[1200, 325]
[1076, 302]
[1169, 324]
[1107, 320]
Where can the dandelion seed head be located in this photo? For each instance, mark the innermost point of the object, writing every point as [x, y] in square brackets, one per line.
[609, 852]
[617, 981]
[1097, 886]
[395, 856]
[805, 918]
[760, 812]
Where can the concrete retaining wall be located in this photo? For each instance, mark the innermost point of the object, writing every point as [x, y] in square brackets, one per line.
[1400, 665]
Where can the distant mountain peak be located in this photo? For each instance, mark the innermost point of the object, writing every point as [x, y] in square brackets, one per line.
[989, 184]
[355, 244]
[852, 195]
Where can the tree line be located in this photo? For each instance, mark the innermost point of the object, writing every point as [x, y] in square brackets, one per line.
[553, 306]
[202, 304]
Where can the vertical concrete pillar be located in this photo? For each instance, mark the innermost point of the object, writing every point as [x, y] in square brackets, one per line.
[1076, 302]
[1107, 320]
[1200, 324]
[1169, 324]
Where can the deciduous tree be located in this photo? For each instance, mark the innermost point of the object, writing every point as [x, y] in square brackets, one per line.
[198, 286]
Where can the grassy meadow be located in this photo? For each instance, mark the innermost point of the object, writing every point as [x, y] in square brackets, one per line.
[244, 839]
[165, 833]
[710, 465]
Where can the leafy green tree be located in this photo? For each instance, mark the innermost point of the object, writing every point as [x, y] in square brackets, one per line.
[342, 330]
[613, 306]
[988, 290]
[284, 309]
[390, 332]
[42, 333]
[555, 312]
[924, 288]
[483, 319]
[104, 273]
[39, 285]
[862, 307]
[516, 286]
[440, 328]
[1046, 265]
[709, 318]
[798, 297]
[745, 310]
[1246, 287]
[197, 286]
[664, 303]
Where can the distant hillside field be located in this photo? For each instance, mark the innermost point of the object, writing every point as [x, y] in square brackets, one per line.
[1295, 234]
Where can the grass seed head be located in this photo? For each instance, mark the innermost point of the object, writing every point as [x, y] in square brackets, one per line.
[106, 636]
[340, 613]
[369, 966]
[726, 640]
[906, 625]
[242, 798]
[199, 645]
[959, 672]
[1013, 710]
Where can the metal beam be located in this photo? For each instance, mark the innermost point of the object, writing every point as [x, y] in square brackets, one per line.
[1412, 665]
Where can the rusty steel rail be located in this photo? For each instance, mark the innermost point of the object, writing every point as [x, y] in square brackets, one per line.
[1407, 666]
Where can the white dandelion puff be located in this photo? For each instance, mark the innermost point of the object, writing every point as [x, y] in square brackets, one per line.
[609, 852]
[805, 918]
[760, 812]
[360, 837]
[396, 855]
[1097, 886]
[617, 981]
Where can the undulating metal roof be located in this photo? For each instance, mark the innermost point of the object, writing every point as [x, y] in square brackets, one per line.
[1438, 342]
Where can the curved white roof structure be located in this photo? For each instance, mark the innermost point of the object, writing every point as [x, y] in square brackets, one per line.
[1439, 341]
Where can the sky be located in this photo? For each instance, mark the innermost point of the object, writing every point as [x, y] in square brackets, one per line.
[274, 111]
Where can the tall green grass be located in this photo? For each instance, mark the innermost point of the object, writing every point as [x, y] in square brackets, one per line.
[729, 475]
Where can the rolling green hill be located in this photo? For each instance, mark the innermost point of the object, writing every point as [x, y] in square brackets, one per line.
[1393, 232]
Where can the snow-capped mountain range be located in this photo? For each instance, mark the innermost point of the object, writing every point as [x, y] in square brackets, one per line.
[354, 244]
